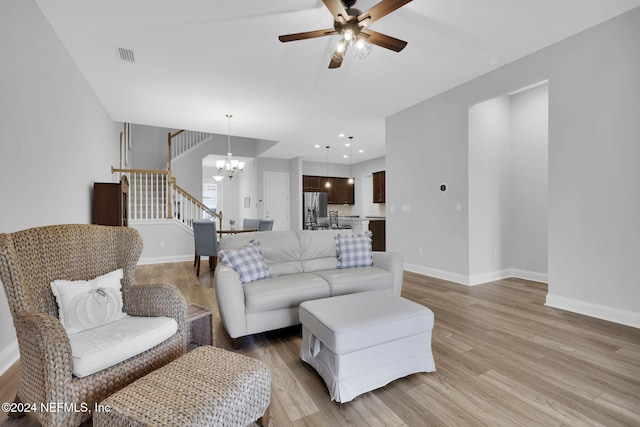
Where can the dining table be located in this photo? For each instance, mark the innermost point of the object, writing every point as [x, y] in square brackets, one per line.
[235, 230]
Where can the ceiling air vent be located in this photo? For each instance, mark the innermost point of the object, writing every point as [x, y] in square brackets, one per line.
[126, 55]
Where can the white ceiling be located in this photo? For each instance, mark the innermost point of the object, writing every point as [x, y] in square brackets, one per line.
[197, 60]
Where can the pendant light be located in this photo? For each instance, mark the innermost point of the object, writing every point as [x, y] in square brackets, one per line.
[351, 179]
[328, 183]
[228, 167]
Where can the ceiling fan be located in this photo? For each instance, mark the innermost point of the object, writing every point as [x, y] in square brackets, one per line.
[351, 24]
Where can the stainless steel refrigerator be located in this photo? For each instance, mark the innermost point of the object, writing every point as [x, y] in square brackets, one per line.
[314, 206]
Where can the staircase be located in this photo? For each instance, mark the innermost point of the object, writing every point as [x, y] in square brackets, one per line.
[154, 194]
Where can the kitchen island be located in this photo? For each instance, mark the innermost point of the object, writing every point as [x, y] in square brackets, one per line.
[359, 225]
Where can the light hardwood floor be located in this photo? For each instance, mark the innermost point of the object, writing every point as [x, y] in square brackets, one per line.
[502, 359]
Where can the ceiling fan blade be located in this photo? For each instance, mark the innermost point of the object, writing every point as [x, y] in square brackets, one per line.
[306, 35]
[337, 10]
[381, 9]
[383, 40]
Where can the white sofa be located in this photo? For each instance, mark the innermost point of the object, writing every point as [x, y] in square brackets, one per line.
[302, 266]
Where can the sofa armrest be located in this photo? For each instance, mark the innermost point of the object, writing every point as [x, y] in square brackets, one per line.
[392, 262]
[161, 299]
[45, 357]
[230, 298]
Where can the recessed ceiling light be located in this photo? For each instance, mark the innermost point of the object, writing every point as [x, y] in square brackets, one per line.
[360, 151]
[345, 156]
[347, 145]
[341, 135]
[317, 146]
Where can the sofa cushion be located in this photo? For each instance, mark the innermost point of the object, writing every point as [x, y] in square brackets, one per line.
[359, 279]
[247, 262]
[96, 349]
[86, 304]
[318, 249]
[280, 249]
[283, 291]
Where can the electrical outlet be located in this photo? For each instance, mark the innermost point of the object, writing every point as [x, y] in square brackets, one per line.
[420, 251]
[162, 244]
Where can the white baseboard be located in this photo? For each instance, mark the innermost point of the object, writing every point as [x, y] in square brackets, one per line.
[530, 275]
[611, 314]
[9, 356]
[491, 276]
[160, 260]
[438, 274]
[476, 279]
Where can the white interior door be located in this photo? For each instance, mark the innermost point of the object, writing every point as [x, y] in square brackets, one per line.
[276, 199]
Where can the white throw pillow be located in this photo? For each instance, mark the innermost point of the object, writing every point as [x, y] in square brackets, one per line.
[86, 304]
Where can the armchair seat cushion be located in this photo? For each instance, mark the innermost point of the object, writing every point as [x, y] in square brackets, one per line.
[96, 349]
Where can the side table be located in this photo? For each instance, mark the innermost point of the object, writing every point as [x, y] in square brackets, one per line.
[201, 326]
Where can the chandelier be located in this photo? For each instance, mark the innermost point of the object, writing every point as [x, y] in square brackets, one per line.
[228, 167]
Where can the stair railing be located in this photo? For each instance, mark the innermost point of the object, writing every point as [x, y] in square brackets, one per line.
[182, 141]
[154, 195]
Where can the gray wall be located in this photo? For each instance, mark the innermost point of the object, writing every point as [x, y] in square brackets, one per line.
[148, 147]
[594, 180]
[508, 186]
[529, 228]
[56, 138]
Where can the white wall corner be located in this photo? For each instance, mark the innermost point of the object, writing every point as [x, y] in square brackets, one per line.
[530, 275]
[9, 356]
[611, 314]
[438, 274]
[477, 279]
[491, 276]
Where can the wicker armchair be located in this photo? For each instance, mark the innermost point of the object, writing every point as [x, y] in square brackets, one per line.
[29, 261]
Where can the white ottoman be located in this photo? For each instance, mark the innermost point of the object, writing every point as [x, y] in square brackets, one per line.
[363, 341]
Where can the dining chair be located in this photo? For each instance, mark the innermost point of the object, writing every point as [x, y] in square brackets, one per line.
[206, 242]
[324, 225]
[333, 220]
[265, 225]
[251, 223]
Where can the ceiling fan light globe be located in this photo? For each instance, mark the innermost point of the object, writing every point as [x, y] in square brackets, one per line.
[348, 35]
[363, 50]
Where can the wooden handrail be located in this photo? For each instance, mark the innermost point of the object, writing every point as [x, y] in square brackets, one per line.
[173, 135]
[147, 171]
[195, 201]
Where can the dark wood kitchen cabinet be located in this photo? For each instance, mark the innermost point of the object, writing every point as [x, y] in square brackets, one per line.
[339, 193]
[379, 187]
[311, 183]
[378, 228]
[110, 203]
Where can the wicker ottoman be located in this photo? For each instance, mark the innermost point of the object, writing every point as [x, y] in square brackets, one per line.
[363, 341]
[206, 387]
